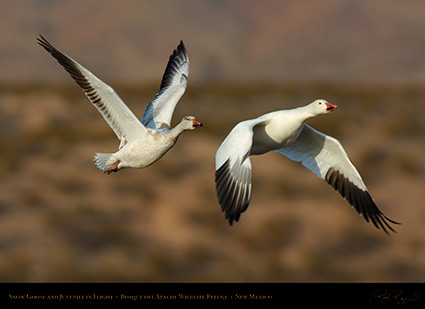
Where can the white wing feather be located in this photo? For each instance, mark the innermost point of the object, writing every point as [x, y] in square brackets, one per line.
[160, 110]
[116, 113]
[325, 156]
[318, 152]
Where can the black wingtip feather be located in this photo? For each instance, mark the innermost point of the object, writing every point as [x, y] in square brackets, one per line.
[361, 200]
[71, 67]
[177, 58]
[232, 199]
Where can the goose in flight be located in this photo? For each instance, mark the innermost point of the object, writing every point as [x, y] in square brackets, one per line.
[285, 132]
[142, 142]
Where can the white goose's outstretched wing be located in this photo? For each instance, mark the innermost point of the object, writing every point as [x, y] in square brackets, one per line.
[159, 111]
[116, 113]
[233, 169]
[325, 156]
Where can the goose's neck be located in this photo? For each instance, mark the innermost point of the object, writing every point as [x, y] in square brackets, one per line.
[175, 132]
[304, 112]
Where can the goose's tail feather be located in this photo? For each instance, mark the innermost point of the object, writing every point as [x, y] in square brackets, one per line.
[104, 161]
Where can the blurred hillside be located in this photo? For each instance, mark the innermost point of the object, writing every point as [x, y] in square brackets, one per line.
[130, 40]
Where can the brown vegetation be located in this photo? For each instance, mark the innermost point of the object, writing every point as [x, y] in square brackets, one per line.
[61, 219]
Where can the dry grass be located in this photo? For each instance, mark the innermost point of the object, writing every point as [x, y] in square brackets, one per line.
[61, 219]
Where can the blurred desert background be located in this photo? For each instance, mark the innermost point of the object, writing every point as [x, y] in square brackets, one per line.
[63, 220]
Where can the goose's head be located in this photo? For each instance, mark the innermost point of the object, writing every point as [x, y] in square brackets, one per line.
[190, 123]
[321, 106]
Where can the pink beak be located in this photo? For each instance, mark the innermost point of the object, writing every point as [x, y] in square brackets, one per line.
[197, 124]
[330, 107]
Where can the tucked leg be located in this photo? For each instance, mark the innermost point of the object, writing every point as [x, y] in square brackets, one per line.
[114, 168]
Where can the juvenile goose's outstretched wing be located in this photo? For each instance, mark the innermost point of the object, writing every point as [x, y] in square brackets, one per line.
[233, 169]
[325, 156]
[159, 111]
[116, 113]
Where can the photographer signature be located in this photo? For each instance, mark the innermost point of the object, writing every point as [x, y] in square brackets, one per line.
[385, 296]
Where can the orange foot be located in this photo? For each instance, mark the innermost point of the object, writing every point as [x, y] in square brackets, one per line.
[114, 168]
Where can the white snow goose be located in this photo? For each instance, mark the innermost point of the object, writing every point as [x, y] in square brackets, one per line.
[142, 142]
[285, 132]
